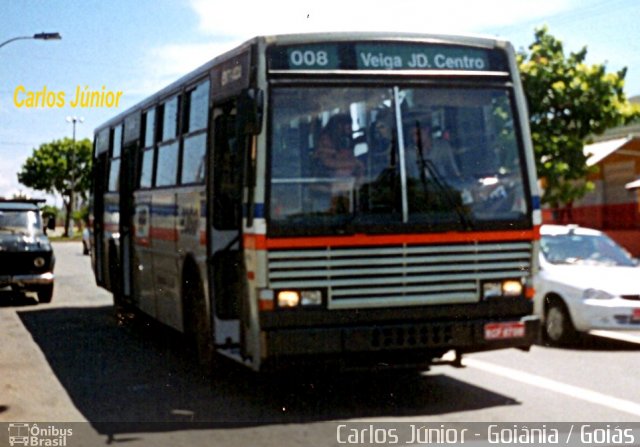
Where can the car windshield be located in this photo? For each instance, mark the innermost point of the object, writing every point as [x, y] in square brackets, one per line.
[584, 250]
[20, 222]
[379, 157]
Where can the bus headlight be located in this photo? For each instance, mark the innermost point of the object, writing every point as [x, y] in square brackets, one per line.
[311, 297]
[506, 288]
[512, 287]
[296, 298]
[288, 298]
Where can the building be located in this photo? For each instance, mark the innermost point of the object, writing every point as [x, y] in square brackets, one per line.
[614, 205]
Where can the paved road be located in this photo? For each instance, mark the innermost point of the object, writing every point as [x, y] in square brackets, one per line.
[71, 361]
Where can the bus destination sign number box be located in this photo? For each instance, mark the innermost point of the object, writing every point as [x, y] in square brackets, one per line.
[313, 57]
[385, 56]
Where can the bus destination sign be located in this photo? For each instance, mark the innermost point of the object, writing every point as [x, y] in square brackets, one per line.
[385, 56]
[413, 57]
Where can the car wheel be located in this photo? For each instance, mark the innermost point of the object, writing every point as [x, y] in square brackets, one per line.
[45, 293]
[558, 326]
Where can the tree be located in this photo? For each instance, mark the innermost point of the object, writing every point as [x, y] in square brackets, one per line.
[49, 211]
[569, 102]
[62, 167]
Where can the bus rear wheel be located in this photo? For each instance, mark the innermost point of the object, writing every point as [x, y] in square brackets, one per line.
[197, 329]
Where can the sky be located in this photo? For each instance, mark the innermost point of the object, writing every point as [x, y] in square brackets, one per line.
[137, 47]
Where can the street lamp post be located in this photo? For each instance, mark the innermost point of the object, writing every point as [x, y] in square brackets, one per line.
[73, 120]
[38, 36]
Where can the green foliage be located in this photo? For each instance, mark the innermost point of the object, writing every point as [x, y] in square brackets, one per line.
[50, 211]
[59, 167]
[81, 216]
[569, 101]
[62, 167]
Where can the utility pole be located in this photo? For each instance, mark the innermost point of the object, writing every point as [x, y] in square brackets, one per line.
[72, 167]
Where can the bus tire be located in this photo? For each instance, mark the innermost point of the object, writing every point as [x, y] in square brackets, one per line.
[119, 305]
[197, 330]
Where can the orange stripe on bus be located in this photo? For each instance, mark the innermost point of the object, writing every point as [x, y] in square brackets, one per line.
[164, 234]
[255, 241]
[261, 242]
[143, 241]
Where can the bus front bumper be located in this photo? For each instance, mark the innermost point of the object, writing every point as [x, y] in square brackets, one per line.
[415, 339]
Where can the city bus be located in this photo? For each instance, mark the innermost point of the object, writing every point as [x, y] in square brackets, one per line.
[352, 200]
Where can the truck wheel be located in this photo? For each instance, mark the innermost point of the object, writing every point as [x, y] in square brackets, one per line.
[45, 293]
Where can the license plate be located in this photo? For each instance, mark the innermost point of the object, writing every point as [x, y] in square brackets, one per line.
[501, 331]
[636, 315]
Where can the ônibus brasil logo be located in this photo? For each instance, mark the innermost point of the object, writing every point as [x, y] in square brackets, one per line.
[33, 435]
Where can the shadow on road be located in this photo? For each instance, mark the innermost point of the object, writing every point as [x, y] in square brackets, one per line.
[135, 377]
[9, 298]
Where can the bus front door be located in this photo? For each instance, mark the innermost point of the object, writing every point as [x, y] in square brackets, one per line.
[98, 253]
[226, 258]
[127, 186]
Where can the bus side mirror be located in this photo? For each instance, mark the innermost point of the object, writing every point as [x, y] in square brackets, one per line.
[250, 111]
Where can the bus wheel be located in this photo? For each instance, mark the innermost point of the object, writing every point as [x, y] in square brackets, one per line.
[119, 305]
[197, 329]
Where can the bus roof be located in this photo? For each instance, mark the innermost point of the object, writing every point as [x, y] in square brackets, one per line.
[301, 38]
[471, 40]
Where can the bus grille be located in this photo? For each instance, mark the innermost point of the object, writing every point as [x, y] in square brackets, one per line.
[399, 275]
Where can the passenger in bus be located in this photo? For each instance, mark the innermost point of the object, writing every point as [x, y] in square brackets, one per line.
[429, 147]
[381, 153]
[334, 160]
[334, 153]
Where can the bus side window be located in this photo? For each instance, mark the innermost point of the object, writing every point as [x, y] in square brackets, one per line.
[227, 174]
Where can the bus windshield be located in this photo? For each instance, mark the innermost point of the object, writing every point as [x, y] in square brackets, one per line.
[375, 158]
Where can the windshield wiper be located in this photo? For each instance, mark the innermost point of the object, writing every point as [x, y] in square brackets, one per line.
[442, 185]
[445, 188]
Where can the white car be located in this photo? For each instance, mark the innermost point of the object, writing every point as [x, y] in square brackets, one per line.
[586, 281]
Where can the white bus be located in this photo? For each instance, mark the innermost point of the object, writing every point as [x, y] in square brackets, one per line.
[343, 199]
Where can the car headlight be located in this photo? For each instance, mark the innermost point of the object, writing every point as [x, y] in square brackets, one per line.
[39, 262]
[596, 294]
